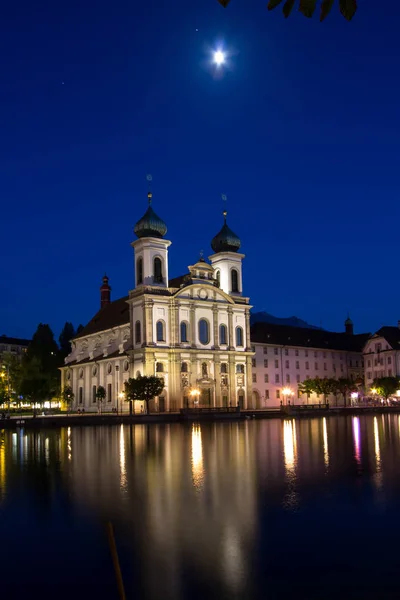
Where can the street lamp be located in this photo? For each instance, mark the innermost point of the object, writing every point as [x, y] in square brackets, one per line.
[354, 396]
[287, 394]
[121, 396]
[195, 394]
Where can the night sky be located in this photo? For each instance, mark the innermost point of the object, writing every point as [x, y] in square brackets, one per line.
[301, 133]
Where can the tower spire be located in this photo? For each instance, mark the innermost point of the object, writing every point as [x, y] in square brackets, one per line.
[105, 292]
[224, 200]
[149, 178]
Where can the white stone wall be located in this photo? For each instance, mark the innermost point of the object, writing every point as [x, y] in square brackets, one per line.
[224, 262]
[380, 360]
[289, 366]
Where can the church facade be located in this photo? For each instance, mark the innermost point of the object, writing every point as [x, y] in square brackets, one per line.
[193, 331]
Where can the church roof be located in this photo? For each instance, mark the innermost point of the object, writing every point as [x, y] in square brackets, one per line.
[112, 315]
[150, 225]
[226, 240]
[285, 335]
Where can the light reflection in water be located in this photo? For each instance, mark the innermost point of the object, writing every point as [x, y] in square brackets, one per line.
[289, 445]
[2, 467]
[197, 457]
[233, 561]
[69, 448]
[377, 446]
[122, 465]
[325, 436]
[356, 439]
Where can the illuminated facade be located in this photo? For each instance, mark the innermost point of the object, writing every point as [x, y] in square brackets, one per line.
[382, 355]
[286, 356]
[193, 331]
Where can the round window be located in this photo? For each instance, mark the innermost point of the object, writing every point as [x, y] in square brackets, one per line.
[69, 375]
[81, 373]
[126, 366]
[109, 368]
[94, 371]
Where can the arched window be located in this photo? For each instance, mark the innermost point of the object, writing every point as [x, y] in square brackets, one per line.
[159, 367]
[138, 333]
[223, 334]
[160, 331]
[234, 280]
[224, 368]
[204, 332]
[218, 277]
[158, 276]
[204, 370]
[139, 270]
[239, 336]
[184, 367]
[239, 368]
[184, 331]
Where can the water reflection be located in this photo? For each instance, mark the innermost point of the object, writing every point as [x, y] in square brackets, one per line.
[325, 438]
[356, 439]
[289, 445]
[194, 507]
[197, 457]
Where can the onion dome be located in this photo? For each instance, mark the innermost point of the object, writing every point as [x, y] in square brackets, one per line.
[225, 240]
[150, 225]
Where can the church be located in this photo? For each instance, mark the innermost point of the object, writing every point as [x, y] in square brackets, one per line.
[193, 330]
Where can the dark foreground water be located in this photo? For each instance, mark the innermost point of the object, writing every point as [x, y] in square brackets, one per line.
[259, 509]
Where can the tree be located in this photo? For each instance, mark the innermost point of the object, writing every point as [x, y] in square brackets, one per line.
[11, 374]
[307, 387]
[68, 396]
[144, 389]
[324, 387]
[79, 329]
[66, 335]
[100, 395]
[347, 8]
[3, 389]
[345, 387]
[40, 375]
[386, 386]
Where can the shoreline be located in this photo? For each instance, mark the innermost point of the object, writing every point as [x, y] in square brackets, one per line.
[74, 420]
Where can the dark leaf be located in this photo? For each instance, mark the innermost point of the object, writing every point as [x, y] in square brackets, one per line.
[287, 9]
[273, 4]
[348, 8]
[224, 3]
[326, 8]
[307, 7]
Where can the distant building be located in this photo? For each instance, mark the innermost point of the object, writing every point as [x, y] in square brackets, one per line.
[16, 346]
[286, 356]
[382, 354]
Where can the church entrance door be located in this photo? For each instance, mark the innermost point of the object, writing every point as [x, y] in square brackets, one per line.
[205, 398]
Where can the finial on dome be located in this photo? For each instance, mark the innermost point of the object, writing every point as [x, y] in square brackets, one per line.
[149, 178]
[150, 225]
[224, 200]
[226, 240]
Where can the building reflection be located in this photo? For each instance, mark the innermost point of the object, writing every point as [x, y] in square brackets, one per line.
[325, 442]
[189, 501]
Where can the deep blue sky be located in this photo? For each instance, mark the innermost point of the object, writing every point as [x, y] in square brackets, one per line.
[302, 134]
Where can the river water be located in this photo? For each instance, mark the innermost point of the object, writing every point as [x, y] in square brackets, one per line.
[256, 509]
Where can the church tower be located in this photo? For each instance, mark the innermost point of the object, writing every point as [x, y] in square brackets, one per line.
[151, 250]
[227, 261]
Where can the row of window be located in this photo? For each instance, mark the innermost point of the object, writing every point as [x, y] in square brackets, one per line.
[297, 364]
[158, 276]
[380, 361]
[108, 397]
[378, 374]
[277, 378]
[297, 352]
[203, 333]
[204, 368]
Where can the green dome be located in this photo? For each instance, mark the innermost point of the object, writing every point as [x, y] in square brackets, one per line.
[226, 240]
[150, 225]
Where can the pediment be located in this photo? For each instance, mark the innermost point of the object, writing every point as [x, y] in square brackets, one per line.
[204, 292]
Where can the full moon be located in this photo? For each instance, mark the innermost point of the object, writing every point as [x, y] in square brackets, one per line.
[219, 57]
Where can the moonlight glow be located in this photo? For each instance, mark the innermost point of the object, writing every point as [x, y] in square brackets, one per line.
[219, 57]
